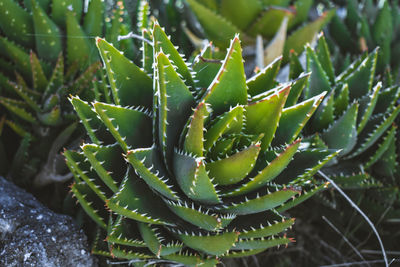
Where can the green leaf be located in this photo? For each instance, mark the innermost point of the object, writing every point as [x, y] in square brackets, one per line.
[129, 84]
[266, 229]
[367, 105]
[79, 49]
[294, 118]
[85, 197]
[216, 244]
[383, 146]
[136, 201]
[268, 22]
[360, 81]
[324, 58]
[108, 163]
[265, 79]
[192, 177]
[305, 34]
[319, 81]
[19, 111]
[94, 19]
[17, 55]
[272, 170]
[130, 127]
[175, 103]
[261, 243]
[57, 78]
[16, 23]
[93, 125]
[163, 44]
[200, 216]
[216, 27]
[259, 203]
[297, 87]
[342, 99]
[193, 142]
[153, 239]
[342, 134]
[52, 117]
[59, 8]
[150, 168]
[38, 77]
[242, 13]
[206, 68]
[229, 86]
[263, 116]
[47, 34]
[324, 116]
[125, 232]
[229, 122]
[233, 169]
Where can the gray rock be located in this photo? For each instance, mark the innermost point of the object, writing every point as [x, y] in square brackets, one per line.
[33, 235]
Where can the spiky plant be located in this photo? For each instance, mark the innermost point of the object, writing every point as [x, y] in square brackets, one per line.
[356, 115]
[268, 20]
[366, 25]
[184, 162]
[47, 52]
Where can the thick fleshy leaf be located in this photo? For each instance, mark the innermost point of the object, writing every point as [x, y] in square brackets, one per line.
[200, 216]
[306, 34]
[175, 105]
[154, 240]
[297, 87]
[294, 118]
[162, 44]
[130, 127]
[242, 13]
[269, 21]
[233, 169]
[206, 67]
[367, 105]
[342, 134]
[16, 23]
[61, 7]
[136, 201]
[57, 77]
[124, 232]
[193, 142]
[107, 162]
[94, 18]
[38, 76]
[19, 111]
[93, 125]
[16, 55]
[273, 169]
[265, 79]
[228, 123]
[263, 116]
[150, 168]
[324, 58]
[229, 86]
[79, 49]
[261, 243]
[216, 27]
[193, 179]
[324, 116]
[129, 84]
[216, 244]
[47, 34]
[266, 229]
[319, 81]
[260, 203]
[342, 99]
[387, 140]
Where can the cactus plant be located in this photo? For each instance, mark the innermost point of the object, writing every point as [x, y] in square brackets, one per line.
[269, 20]
[34, 85]
[356, 116]
[184, 162]
[366, 25]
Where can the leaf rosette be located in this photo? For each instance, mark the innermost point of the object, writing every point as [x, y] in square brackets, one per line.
[193, 161]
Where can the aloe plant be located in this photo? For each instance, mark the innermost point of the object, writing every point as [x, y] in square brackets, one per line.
[356, 116]
[366, 25]
[269, 20]
[34, 85]
[182, 157]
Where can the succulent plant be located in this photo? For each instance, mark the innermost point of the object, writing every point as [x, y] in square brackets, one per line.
[34, 85]
[356, 116]
[190, 161]
[270, 20]
[365, 25]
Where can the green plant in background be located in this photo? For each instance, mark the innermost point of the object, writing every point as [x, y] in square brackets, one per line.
[355, 116]
[192, 164]
[364, 25]
[269, 20]
[34, 85]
